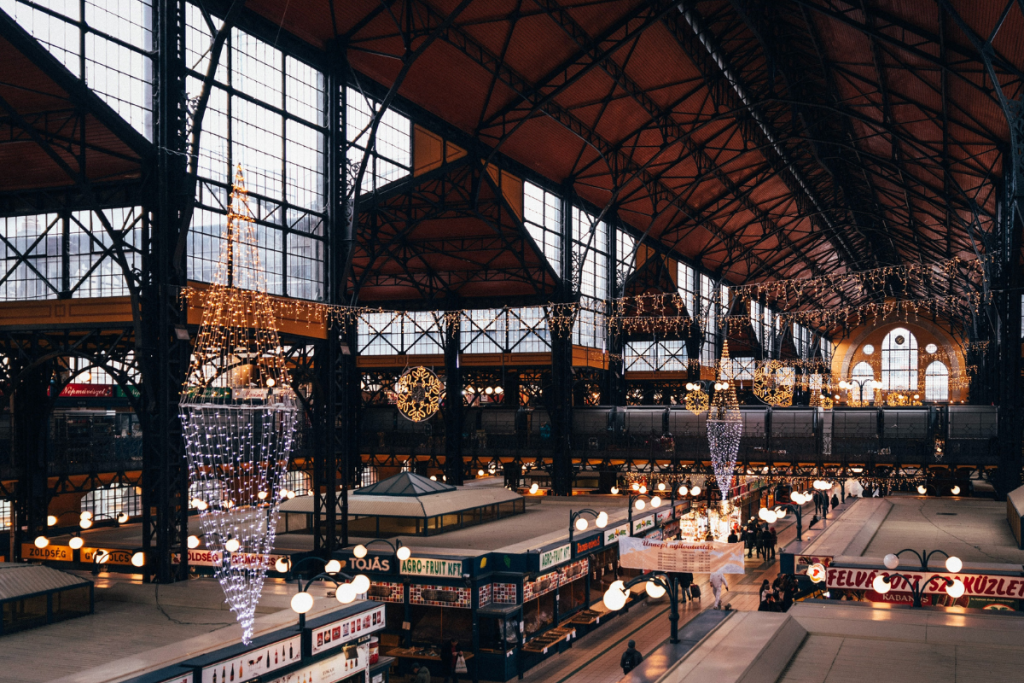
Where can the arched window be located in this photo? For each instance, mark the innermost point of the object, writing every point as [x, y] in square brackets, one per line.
[899, 360]
[861, 372]
[936, 382]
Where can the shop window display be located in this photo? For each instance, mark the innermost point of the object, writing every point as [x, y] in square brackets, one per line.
[539, 613]
[436, 625]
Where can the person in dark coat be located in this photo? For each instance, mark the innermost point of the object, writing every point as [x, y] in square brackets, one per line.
[732, 537]
[748, 540]
[763, 595]
[449, 655]
[835, 501]
[773, 540]
[685, 580]
[631, 658]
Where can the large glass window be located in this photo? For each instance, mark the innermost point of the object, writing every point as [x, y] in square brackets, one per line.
[708, 316]
[936, 382]
[108, 43]
[392, 156]
[899, 360]
[266, 113]
[542, 213]
[109, 502]
[625, 258]
[591, 247]
[46, 256]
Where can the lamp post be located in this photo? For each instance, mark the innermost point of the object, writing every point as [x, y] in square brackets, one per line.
[345, 593]
[637, 500]
[401, 552]
[869, 383]
[86, 520]
[883, 583]
[773, 515]
[577, 521]
[657, 584]
[953, 563]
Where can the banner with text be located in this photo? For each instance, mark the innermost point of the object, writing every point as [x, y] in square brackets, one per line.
[681, 556]
[931, 582]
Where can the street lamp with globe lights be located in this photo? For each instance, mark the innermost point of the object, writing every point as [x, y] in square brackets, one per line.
[953, 563]
[637, 502]
[779, 511]
[401, 552]
[883, 583]
[345, 591]
[658, 583]
[577, 522]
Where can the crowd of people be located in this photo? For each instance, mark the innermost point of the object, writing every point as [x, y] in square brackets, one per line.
[777, 595]
[756, 537]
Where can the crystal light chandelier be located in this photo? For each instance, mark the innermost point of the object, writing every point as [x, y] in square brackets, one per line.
[724, 425]
[238, 414]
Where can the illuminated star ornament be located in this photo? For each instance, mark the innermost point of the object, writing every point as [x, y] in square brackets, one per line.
[724, 425]
[238, 415]
[419, 393]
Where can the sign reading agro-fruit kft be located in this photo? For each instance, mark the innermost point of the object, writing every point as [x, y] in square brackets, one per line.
[549, 558]
[681, 556]
[415, 566]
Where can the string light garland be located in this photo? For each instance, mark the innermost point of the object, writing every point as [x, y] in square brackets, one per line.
[418, 394]
[238, 414]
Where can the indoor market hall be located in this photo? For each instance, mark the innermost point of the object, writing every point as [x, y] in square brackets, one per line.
[556, 341]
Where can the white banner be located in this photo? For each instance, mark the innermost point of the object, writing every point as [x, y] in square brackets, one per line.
[681, 556]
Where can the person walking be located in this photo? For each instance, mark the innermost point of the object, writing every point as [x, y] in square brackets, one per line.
[685, 579]
[718, 582]
[835, 501]
[420, 673]
[631, 658]
[773, 540]
[449, 656]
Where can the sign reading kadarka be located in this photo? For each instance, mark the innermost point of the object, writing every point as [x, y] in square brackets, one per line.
[681, 556]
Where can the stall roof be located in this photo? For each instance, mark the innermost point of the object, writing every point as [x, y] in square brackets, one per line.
[20, 580]
[405, 484]
[398, 499]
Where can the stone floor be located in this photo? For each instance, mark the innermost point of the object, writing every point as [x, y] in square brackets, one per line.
[975, 530]
[117, 629]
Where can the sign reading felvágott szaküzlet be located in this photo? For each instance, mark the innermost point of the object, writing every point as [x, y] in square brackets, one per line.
[416, 566]
[549, 558]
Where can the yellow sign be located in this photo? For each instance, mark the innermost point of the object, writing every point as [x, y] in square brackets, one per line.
[54, 553]
[116, 556]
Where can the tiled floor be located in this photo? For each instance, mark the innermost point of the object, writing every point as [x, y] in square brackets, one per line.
[828, 659]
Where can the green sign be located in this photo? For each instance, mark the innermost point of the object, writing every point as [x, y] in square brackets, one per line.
[549, 558]
[448, 569]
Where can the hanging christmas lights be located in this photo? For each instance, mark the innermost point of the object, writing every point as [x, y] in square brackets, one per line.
[724, 425]
[418, 393]
[238, 414]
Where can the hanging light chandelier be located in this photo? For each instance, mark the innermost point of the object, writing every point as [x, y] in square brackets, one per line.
[238, 414]
[724, 425]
